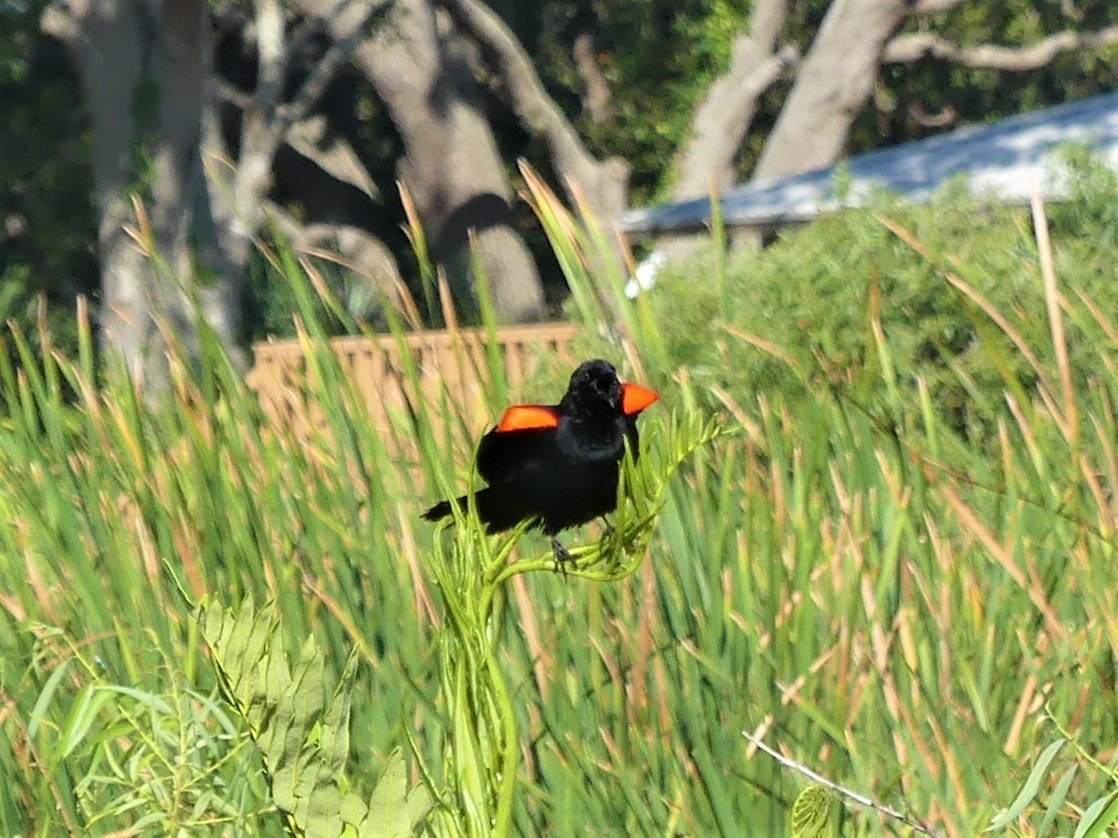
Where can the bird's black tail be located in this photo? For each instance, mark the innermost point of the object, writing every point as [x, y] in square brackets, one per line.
[493, 508]
[443, 509]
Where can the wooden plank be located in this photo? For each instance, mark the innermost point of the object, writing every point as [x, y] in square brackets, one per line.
[450, 361]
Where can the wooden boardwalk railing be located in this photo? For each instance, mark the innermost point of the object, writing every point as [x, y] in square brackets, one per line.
[444, 359]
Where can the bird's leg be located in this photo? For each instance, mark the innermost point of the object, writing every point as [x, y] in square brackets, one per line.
[609, 530]
[562, 556]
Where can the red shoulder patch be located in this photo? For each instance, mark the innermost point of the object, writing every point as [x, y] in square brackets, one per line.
[635, 398]
[527, 417]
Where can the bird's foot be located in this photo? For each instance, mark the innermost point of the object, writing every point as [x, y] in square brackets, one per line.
[608, 529]
[562, 556]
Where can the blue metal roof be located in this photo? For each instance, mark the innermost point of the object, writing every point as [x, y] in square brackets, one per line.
[1010, 159]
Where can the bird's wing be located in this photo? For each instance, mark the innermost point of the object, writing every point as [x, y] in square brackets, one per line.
[503, 455]
[528, 417]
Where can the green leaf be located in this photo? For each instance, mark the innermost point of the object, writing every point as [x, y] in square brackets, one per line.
[1098, 817]
[1058, 796]
[815, 814]
[302, 735]
[393, 811]
[1029, 790]
[39, 711]
[82, 715]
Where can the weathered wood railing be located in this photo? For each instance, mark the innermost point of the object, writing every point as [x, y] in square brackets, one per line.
[450, 364]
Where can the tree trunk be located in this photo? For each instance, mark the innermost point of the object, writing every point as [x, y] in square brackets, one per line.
[832, 87]
[601, 185]
[144, 67]
[452, 166]
[722, 120]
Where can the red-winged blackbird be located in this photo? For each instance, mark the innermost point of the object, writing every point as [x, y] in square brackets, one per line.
[558, 464]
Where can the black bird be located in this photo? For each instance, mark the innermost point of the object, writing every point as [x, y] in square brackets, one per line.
[558, 464]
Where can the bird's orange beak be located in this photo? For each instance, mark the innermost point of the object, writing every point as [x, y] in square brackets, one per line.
[635, 398]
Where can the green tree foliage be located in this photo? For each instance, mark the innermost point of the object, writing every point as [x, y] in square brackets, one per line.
[656, 57]
[659, 58]
[981, 95]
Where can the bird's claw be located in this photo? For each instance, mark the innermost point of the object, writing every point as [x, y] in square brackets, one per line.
[562, 556]
[608, 529]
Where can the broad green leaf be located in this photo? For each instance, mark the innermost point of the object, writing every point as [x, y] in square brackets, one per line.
[1098, 817]
[393, 812]
[1059, 794]
[1029, 790]
[302, 730]
[82, 715]
[38, 712]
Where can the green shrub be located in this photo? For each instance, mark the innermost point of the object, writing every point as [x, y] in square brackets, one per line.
[799, 315]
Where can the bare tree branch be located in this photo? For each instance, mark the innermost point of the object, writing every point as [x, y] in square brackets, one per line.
[337, 157]
[351, 247]
[267, 120]
[233, 95]
[816, 777]
[271, 57]
[451, 164]
[339, 52]
[905, 49]
[533, 105]
[597, 95]
[605, 184]
[833, 85]
[720, 123]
